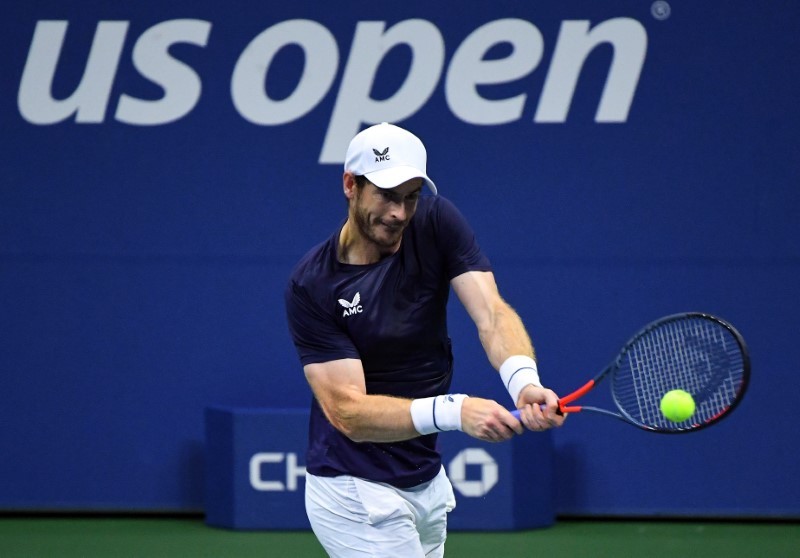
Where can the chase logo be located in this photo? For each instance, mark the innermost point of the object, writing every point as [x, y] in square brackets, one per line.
[292, 471]
[381, 155]
[477, 457]
[353, 307]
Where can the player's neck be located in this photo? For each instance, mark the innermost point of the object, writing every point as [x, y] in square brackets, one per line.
[355, 249]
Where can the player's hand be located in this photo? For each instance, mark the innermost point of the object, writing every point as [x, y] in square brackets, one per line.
[539, 408]
[487, 420]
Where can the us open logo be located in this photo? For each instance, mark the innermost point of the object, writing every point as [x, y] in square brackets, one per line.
[455, 70]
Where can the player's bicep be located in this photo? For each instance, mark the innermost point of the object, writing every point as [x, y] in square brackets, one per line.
[315, 333]
[338, 386]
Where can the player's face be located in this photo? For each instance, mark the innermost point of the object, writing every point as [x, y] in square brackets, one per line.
[382, 215]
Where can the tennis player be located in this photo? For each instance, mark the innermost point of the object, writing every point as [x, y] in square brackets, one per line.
[367, 312]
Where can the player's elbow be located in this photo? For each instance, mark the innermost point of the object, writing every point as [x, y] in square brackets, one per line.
[355, 435]
[346, 420]
[351, 430]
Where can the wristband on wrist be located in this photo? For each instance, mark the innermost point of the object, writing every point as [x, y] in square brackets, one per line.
[517, 372]
[437, 414]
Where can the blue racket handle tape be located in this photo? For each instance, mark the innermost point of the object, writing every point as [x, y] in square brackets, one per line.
[516, 412]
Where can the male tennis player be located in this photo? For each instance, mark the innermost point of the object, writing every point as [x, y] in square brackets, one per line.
[367, 312]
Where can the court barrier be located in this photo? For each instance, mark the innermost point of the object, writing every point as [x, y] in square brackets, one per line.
[255, 474]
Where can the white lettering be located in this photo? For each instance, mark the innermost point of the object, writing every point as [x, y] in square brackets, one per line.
[575, 43]
[256, 481]
[293, 472]
[355, 106]
[89, 100]
[468, 69]
[180, 82]
[250, 73]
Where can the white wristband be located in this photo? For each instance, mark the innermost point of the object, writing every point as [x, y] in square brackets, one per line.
[517, 372]
[437, 414]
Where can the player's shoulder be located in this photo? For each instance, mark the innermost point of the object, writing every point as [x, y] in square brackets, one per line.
[432, 209]
[435, 203]
[438, 215]
[314, 265]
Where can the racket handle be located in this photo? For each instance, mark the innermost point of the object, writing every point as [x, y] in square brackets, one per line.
[516, 412]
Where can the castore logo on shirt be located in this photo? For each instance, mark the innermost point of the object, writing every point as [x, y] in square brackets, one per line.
[351, 308]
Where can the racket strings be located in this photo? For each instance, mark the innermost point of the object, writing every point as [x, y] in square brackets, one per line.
[696, 355]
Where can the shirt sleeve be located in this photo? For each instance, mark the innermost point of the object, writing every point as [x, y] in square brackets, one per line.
[316, 335]
[456, 241]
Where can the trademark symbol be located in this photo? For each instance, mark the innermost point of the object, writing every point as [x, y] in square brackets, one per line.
[660, 10]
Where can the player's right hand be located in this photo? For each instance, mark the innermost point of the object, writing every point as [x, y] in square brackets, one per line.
[538, 408]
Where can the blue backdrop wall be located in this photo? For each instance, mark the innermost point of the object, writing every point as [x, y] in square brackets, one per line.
[165, 164]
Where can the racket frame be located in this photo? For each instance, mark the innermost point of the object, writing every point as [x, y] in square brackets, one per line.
[564, 402]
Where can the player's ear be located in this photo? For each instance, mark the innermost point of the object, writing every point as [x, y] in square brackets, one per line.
[349, 185]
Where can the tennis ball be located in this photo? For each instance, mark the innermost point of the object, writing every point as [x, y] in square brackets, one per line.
[677, 405]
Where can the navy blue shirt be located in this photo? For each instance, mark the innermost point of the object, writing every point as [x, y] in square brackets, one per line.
[392, 316]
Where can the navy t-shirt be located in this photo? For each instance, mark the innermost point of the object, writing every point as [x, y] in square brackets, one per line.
[392, 316]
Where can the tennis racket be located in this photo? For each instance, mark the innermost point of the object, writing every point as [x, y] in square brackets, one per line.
[694, 352]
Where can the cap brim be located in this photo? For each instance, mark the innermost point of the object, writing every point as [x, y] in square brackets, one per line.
[395, 176]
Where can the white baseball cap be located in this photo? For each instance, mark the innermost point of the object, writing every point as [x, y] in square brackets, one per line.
[388, 156]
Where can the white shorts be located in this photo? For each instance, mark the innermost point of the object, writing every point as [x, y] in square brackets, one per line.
[356, 517]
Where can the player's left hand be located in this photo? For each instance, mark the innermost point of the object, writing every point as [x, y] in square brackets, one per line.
[487, 420]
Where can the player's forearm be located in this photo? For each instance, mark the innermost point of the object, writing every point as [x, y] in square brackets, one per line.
[504, 335]
[374, 418]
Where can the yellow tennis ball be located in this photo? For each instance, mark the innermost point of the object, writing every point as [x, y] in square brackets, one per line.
[677, 405]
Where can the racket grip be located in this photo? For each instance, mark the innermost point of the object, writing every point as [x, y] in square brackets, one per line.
[516, 412]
